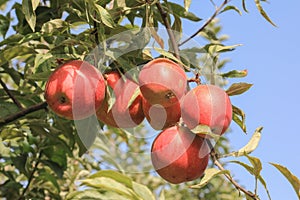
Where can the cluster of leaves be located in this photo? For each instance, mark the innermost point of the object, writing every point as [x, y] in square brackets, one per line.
[41, 154]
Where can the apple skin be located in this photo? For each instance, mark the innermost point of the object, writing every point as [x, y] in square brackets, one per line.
[207, 105]
[162, 82]
[75, 90]
[178, 155]
[120, 115]
[160, 117]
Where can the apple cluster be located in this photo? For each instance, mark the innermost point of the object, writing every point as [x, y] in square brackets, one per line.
[77, 90]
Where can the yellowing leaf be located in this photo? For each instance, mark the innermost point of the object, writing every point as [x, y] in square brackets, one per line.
[263, 13]
[209, 174]
[294, 181]
[250, 146]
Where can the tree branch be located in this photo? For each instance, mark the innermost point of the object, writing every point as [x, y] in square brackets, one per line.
[215, 159]
[206, 23]
[163, 14]
[31, 176]
[10, 94]
[22, 113]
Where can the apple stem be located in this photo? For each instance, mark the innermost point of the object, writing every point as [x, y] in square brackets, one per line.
[215, 157]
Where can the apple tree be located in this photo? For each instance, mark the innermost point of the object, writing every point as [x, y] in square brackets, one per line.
[46, 155]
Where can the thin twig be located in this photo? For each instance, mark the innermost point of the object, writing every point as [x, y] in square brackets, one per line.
[206, 23]
[31, 176]
[215, 159]
[10, 94]
[22, 113]
[164, 16]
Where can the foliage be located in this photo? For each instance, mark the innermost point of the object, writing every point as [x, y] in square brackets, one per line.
[42, 156]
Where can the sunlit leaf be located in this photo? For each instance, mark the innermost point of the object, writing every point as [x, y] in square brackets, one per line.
[55, 24]
[204, 130]
[142, 191]
[263, 13]
[121, 178]
[235, 74]
[238, 116]
[15, 51]
[256, 163]
[238, 88]
[28, 8]
[105, 16]
[250, 146]
[109, 184]
[209, 174]
[187, 4]
[294, 181]
[229, 7]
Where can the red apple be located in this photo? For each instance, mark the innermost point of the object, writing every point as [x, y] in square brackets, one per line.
[178, 155]
[207, 105]
[121, 114]
[162, 81]
[160, 117]
[75, 90]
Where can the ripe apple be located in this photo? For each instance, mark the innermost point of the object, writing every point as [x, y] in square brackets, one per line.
[207, 105]
[178, 155]
[162, 82]
[75, 90]
[160, 117]
[121, 114]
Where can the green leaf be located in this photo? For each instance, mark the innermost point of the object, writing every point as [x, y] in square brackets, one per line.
[250, 146]
[109, 184]
[142, 191]
[238, 116]
[209, 174]
[4, 150]
[105, 16]
[263, 182]
[7, 108]
[136, 93]
[92, 194]
[231, 8]
[43, 76]
[180, 11]
[238, 88]
[246, 166]
[235, 74]
[169, 55]
[204, 130]
[47, 177]
[28, 8]
[4, 24]
[256, 163]
[263, 13]
[110, 97]
[220, 48]
[121, 178]
[15, 51]
[53, 25]
[294, 181]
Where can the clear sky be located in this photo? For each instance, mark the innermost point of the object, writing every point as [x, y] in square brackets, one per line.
[271, 56]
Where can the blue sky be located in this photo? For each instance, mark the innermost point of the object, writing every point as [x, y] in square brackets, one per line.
[271, 56]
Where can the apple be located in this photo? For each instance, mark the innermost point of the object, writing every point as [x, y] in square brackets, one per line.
[162, 82]
[160, 117]
[121, 114]
[75, 90]
[207, 105]
[178, 155]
